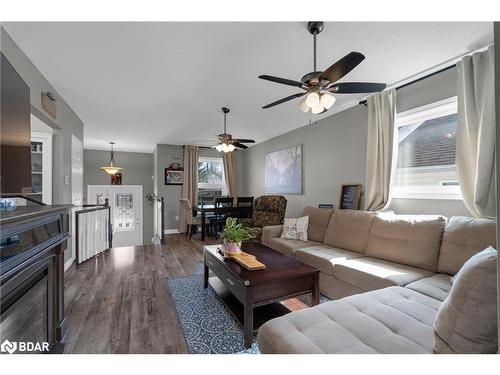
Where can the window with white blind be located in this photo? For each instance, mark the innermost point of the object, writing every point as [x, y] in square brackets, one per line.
[426, 148]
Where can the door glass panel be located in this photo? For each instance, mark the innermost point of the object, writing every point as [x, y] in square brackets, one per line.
[124, 211]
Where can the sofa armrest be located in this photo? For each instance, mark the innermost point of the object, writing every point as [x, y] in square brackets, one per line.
[270, 231]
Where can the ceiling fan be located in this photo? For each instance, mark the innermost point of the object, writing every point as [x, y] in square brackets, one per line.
[226, 142]
[319, 85]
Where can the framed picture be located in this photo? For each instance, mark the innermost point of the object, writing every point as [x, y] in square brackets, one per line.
[174, 176]
[116, 179]
[284, 171]
[350, 197]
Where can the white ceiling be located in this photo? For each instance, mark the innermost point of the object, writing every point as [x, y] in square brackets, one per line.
[140, 84]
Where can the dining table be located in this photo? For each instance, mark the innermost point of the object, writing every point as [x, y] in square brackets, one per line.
[203, 209]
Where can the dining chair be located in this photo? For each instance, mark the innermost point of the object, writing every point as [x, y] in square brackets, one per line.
[245, 208]
[192, 220]
[223, 207]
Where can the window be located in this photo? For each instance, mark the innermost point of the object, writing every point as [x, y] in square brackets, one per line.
[124, 211]
[211, 182]
[426, 152]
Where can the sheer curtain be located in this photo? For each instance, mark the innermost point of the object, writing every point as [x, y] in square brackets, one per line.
[229, 159]
[189, 183]
[380, 149]
[475, 156]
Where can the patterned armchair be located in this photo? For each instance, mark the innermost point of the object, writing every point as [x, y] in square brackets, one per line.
[267, 210]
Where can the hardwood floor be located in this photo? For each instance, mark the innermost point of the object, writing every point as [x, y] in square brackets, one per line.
[118, 302]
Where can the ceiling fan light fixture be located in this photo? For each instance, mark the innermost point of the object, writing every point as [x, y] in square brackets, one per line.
[230, 147]
[303, 106]
[317, 109]
[219, 147]
[312, 99]
[327, 100]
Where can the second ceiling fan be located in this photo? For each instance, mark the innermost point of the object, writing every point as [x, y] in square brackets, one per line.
[226, 142]
[319, 85]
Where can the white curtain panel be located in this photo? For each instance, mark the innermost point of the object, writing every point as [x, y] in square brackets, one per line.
[190, 182]
[229, 159]
[475, 156]
[380, 149]
[92, 234]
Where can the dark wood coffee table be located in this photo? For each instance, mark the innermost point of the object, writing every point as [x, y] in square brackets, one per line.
[285, 277]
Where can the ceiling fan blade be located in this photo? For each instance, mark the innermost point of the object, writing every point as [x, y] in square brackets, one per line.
[283, 81]
[243, 140]
[342, 67]
[284, 100]
[356, 87]
[239, 145]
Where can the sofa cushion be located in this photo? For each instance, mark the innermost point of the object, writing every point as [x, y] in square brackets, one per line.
[319, 218]
[437, 286]
[410, 240]
[324, 257]
[371, 273]
[467, 319]
[391, 320]
[463, 237]
[289, 247]
[334, 288]
[349, 229]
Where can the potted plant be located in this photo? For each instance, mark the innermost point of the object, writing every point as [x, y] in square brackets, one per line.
[233, 235]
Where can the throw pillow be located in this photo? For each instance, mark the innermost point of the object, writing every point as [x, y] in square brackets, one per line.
[295, 229]
[467, 319]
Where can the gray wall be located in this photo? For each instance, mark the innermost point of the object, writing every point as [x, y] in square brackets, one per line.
[65, 125]
[334, 153]
[497, 109]
[166, 155]
[137, 170]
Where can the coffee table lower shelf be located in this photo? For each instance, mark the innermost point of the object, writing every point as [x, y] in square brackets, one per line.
[261, 314]
[254, 303]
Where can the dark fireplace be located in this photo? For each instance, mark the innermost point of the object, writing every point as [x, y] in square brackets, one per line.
[26, 319]
[32, 244]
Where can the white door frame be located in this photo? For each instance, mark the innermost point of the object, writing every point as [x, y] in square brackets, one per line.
[74, 142]
[46, 140]
[89, 201]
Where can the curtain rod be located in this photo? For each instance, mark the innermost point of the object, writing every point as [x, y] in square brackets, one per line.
[452, 62]
[364, 102]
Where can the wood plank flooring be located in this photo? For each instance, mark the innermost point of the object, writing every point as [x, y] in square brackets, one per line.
[119, 303]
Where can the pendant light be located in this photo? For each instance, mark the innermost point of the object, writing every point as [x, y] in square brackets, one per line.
[112, 168]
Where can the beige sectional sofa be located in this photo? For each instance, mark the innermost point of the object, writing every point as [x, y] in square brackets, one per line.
[391, 272]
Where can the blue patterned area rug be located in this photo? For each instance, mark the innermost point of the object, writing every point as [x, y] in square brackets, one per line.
[208, 325]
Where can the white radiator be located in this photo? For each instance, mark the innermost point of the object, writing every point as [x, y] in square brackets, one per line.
[93, 232]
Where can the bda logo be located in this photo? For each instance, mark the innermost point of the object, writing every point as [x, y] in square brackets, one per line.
[8, 346]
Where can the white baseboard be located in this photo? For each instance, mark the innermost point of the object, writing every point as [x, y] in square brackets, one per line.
[172, 231]
[68, 263]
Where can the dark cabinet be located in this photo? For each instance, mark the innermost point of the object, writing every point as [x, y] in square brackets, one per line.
[15, 130]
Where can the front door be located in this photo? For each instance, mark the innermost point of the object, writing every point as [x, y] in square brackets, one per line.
[126, 211]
